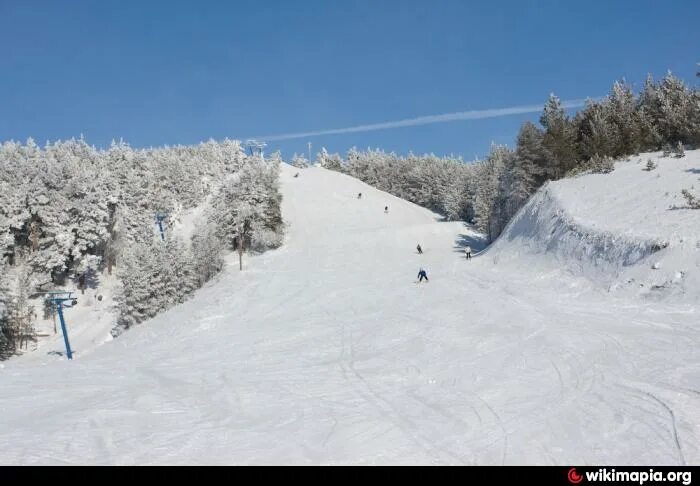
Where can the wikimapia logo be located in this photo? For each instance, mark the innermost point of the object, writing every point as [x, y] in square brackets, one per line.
[573, 476]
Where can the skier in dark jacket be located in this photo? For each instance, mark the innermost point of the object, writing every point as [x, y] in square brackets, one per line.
[359, 195]
[422, 275]
[419, 249]
[386, 209]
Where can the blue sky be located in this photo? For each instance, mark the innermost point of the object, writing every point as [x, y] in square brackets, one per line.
[174, 72]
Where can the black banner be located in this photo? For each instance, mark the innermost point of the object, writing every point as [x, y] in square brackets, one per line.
[483, 475]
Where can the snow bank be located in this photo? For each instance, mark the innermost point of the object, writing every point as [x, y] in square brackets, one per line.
[627, 230]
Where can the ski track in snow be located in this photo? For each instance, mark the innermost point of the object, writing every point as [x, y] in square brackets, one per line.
[325, 351]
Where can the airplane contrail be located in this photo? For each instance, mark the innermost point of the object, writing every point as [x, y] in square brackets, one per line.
[426, 120]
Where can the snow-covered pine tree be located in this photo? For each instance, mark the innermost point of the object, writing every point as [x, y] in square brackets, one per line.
[677, 109]
[486, 209]
[135, 296]
[694, 122]
[523, 170]
[247, 203]
[596, 134]
[455, 201]
[670, 112]
[6, 345]
[329, 161]
[360, 165]
[299, 161]
[531, 155]
[183, 278]
[207, 252]
[649, 112]
[558, 140]
[16, 311]
[625, 118]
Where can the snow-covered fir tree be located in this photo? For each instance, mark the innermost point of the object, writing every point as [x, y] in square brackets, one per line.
[207, 251]
[299, 161]
[329, 161]
[246, 208]
[558, 140]
[488, 199]
[16, 311]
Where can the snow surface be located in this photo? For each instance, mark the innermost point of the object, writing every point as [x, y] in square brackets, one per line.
[185, 221]
[327, 351]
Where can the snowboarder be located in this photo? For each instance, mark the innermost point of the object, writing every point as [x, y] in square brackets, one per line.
[296, 175]
[422, 275]
[386, 209]
[419, 249]
[468, 252]
[359, 195]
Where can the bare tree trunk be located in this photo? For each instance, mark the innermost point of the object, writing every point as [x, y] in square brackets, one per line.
[34, 235]
[240, 246]
[20, 336]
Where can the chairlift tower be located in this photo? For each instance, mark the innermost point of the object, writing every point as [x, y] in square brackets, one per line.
[57, 300]
[255, 148]
[160, 217]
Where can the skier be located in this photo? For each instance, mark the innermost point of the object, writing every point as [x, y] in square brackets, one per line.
[468, 252]
[296, 175]
[422, 275]
[386, 209]
[359, 195]
[420, 250]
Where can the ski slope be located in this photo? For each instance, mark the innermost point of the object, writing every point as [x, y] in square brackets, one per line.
[327, 351]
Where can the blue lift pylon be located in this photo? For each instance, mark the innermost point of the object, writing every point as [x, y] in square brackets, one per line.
[57, 299]
[160, 217]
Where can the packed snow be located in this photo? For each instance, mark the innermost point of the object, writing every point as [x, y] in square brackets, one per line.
[328, 350]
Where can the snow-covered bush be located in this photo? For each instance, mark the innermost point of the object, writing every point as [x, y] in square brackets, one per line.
[601, 165]
[691, 200]
[679, 151]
